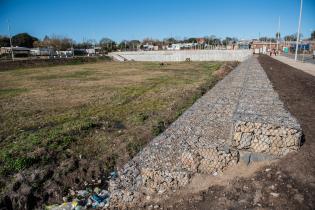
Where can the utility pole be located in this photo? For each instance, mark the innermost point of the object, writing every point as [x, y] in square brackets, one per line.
[298, 33]
[278, 34]
[72, 48]
[12, 54]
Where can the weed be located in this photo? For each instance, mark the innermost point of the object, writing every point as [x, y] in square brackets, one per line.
[158, 128]
[11, 92]
[133, 148]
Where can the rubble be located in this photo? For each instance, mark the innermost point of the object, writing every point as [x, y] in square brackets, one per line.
[83, 199]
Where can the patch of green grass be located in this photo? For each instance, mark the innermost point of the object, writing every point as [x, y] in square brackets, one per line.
[15, 156]
[11, 164]
[11, 92]
[68, 75]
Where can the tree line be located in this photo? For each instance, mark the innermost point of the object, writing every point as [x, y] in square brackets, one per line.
[107, 44]
[64, 43]
[291, 37]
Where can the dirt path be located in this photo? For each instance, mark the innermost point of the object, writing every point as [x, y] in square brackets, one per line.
[285, 184]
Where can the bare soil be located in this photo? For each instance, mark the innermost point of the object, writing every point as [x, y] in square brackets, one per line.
[288, 183]
[37, 62]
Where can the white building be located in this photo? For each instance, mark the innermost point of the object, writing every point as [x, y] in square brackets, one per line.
[174, 47]
[42, 51]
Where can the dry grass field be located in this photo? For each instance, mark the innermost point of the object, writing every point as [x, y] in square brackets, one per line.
[97, 114]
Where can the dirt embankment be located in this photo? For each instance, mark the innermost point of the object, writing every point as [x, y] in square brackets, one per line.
[285, 184]
[33, 63]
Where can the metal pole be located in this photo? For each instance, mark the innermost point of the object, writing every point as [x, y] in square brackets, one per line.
[12, 54]
[298, 33]
[72, 48]
[303, 54]
[278, 34]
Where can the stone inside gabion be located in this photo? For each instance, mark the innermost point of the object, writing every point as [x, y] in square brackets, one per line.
[209, 160]
[266, 138]
[242, 113]
[160, 181]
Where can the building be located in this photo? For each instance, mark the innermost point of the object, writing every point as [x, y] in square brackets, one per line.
[201, 40]
[17, 51]
[65, 53]
[244, 45]
[93, 51]
[174, 47]
[264, 47]
[148, 47]
[41, 51]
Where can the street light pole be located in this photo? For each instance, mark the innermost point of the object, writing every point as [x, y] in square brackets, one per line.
[12, 54]
[298, 34]
[278, 35]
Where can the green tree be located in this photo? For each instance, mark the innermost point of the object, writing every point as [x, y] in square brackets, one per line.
[4, 41]
[290, 38]
[23, 40]
[278, 35]
[227, 41]
[133, 44]
[267, 39]
[170, 40]
[313, 35]
[123, 45]
[107, 44]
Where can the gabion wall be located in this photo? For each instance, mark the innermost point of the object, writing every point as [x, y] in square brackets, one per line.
[209, 160]
[241, 114]
[266, 138]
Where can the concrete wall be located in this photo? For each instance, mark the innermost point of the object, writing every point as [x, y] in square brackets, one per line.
[182, 55]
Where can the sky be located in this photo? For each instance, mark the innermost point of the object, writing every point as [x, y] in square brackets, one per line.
[138, 19]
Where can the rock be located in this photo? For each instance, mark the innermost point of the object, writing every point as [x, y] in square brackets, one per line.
[245, 157]
[274, 194]
[72, 192]
[258, 196]
[96, 190]
[299, 197]
[289, 186]
[65, 199]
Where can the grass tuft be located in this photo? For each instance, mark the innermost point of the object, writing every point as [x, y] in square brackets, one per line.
[11, 92]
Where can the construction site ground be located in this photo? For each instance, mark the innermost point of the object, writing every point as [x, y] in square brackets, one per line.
[288, 183]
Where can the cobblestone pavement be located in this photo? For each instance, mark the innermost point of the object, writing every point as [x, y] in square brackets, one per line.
[241, 114]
